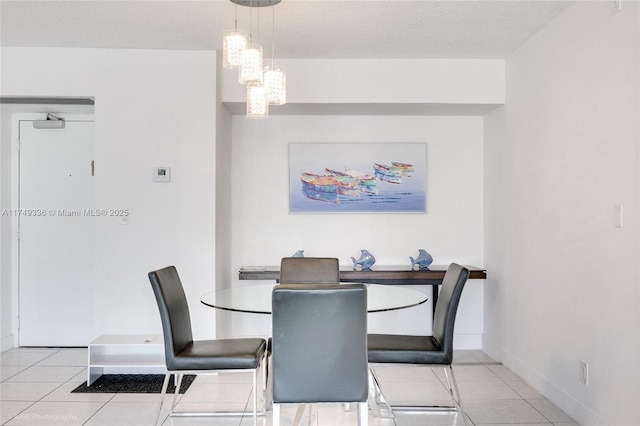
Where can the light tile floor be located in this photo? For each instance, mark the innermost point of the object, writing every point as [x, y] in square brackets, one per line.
[36, 386]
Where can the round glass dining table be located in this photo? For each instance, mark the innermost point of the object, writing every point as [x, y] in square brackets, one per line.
[257, 299]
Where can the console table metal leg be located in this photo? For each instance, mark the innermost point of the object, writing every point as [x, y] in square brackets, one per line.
[434, 298]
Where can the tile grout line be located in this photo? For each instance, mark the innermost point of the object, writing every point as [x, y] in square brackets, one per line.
[32, 402]
[499, 375]
[98, 410]
[477, 363]
[27, 366]
[59, 350]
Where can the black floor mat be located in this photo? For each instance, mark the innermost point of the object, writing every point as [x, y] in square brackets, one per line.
[132, 383]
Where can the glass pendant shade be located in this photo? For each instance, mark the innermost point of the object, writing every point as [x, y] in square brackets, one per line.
[264, 85]
[275, 84]
[233, 43]
[251, 73]
[257, 105]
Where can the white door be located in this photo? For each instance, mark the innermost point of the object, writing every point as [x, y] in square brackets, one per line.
[56, 235]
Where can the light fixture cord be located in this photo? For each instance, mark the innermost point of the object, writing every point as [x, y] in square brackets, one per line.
[273, 38]
[236, 18]
[250, 21]
[258, 23]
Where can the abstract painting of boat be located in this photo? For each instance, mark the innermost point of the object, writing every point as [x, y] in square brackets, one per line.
[357, 177]
[319, 183]
[367, 183]
[386, 173]
[313, 194]
[343, 179]
[405, 169]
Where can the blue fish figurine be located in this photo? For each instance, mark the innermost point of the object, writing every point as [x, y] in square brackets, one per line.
[423, 260]
[299, 253]
[365, 262]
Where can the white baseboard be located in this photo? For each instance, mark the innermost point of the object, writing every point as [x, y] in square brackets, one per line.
[467, 341]
[574, 408]
[8, 342]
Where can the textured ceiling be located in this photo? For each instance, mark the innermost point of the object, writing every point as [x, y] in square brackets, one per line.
[304, 28]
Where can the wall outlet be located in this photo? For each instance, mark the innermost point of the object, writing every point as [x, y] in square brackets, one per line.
[618, 210]
[584, 373]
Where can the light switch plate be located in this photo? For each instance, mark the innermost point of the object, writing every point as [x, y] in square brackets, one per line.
[162, 174]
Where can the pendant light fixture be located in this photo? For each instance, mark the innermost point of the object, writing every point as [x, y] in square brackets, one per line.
[275, 79]
[232, 46]
[251, 58]
[257, 105]
[233, 43]
[251, 73]
[264, 85]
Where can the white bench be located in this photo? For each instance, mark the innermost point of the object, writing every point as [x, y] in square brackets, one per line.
[125, 353]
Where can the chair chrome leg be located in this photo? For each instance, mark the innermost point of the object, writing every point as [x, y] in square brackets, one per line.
[179, 377]
[363, 414]
[449, 385]
[302, 407]
[453, 388]
[178, 382]
[276, 414]
[163, 392]
[379, 405]
[255, 398]
[265, 373]
[268, 397]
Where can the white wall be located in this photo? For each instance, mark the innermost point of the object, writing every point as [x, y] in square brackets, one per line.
[452, 230]
[6, 331]
[153, 108]
[373, 81]
[224, 216]
[563, 151]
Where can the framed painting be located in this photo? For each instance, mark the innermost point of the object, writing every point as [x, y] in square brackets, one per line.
[357, 177]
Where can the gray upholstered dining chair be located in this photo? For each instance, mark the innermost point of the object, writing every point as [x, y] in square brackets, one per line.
[320, 346]
[309, 270]
[433, 350]
[305, 270]
[183, 355]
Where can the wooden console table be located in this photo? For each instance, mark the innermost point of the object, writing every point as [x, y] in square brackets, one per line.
[390, 275]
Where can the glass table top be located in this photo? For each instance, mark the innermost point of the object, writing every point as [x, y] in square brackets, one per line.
[257, 299]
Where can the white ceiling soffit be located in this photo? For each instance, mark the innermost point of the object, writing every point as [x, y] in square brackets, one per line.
[240, 108]
[304, 28]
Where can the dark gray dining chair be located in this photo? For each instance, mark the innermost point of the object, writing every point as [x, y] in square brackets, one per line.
[183, 355]
[432, 350]
[306, 270]
[320, 346]
[309, 270]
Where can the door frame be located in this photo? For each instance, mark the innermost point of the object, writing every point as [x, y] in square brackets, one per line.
[29, 113]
